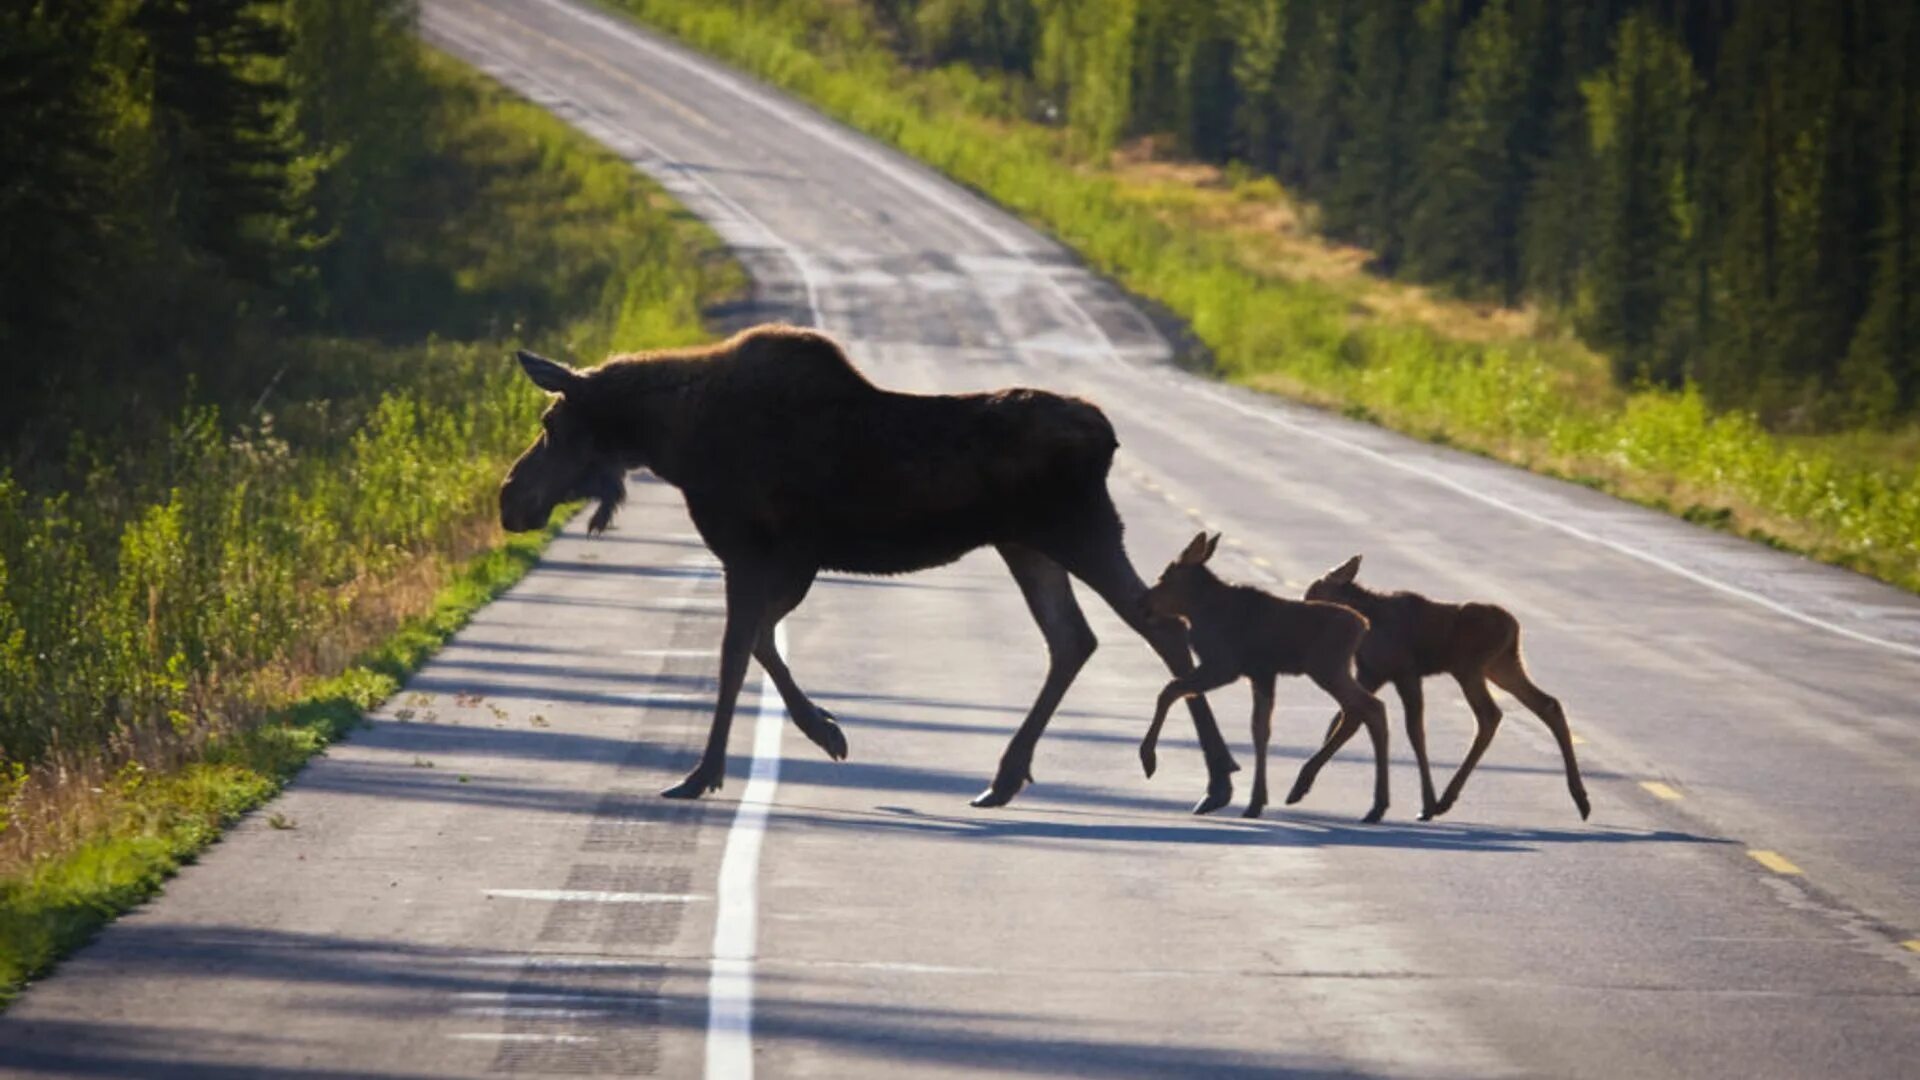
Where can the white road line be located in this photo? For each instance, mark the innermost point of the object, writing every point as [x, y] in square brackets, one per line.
[736, 923]
[934, 195]
[596, 896]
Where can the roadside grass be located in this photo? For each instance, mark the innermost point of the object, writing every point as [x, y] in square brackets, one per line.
[197, 616]
[151, 822]
[1282, 311]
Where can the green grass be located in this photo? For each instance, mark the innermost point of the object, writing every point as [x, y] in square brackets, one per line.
[1528, 398]
[195, 617]
[160, 820]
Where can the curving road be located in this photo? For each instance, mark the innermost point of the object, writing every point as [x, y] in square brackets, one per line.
[483, 882]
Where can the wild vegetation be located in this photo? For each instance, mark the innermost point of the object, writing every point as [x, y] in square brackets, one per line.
[266, 262]
[1432, 137]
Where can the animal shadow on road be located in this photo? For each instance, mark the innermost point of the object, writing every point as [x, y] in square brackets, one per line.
[623, 1008]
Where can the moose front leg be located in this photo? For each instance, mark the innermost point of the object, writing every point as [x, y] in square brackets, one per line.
[746, 617]
[816, 723]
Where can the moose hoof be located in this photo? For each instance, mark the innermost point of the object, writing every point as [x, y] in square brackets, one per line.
[826, 734]
[1299, 792]
[1219, 794]
[695, 785]
[1253, 810]
[1586, 808]
[1149, 761]
[993, 797]
[1374, 815]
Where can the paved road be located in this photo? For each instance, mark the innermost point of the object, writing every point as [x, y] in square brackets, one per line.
[482, 881]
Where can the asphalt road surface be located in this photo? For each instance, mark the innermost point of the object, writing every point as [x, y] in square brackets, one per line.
[483, 881]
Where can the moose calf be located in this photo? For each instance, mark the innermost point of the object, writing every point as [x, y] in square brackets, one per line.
[1236, 631]
[1409, 637]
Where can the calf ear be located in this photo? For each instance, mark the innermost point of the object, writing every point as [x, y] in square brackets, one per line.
[1212, 546]
[1196, 552]
[1344, 573]
[550, 375]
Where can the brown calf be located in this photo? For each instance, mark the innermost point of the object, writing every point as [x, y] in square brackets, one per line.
[1409, 637]
[1237, 630]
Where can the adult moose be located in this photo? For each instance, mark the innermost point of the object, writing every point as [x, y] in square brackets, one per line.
[791, 462]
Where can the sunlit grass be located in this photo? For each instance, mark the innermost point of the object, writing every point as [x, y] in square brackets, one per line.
[174, 630]
[1279, 315]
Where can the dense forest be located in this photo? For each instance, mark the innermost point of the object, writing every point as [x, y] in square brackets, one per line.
[184, 181]
[1710, 191]
[262, 267]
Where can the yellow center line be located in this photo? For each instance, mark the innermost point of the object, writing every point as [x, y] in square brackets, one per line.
[1262, 563]
[1575, 737]
[1774, 861]
[1661, 791]
[1912, 945]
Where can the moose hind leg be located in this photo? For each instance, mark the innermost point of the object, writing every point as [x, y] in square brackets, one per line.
[1070, 641]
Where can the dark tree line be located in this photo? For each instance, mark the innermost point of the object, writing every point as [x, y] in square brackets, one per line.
[1716, 191]
[177, 174]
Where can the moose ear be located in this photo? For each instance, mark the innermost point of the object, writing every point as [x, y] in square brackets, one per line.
[550, 375]
[1213, 545]
[1196, 553]
[1344, 573]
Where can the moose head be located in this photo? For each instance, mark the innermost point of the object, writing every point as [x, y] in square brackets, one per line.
[569, 460]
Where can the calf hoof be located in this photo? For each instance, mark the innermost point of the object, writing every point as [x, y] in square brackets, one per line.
[1253, 810]
[1219, 794]
[1300, 789]
[1445, 804]
[826, 734]
[1580, 800]
[1149, 760]
[1429, 812]
[1374, 815]
[697, 783]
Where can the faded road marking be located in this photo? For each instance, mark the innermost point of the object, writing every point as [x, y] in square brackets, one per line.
[596, 896]
[1661, 791]
[1774, 861]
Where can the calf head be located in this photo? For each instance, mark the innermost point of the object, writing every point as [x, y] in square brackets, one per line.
[567, 461]
[1178, 592]
[1336, 586]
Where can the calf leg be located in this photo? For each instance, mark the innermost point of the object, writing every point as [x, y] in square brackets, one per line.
[1357, 707]
[1070, 642]
[1198, 681]
[1487, 716]
[1510, 675]
[746, 619]
[1095, 555]
[1337, 736]
[1262, 733]
[1414, 704]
